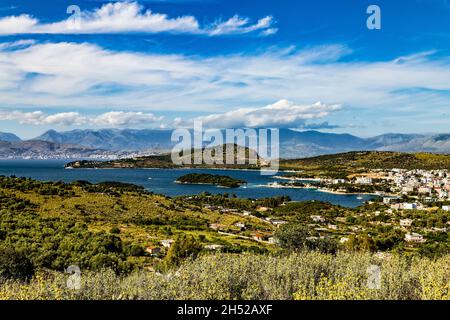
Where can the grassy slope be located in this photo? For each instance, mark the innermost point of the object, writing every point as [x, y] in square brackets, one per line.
[143, 219]
[354, 162]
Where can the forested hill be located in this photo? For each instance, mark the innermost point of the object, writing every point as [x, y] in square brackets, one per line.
[165, 160]
[352, 162]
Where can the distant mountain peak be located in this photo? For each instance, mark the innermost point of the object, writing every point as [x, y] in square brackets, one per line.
[293, 143]
[9, 137]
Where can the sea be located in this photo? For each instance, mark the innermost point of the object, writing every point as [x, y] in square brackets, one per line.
[162, 181]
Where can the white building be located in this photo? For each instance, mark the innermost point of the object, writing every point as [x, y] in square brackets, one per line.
[240, 225]
[343, 240]
[424, 190]
[278, 223]
[213, 246]
[363, 180]
[409, 206]
[167, 243]
[318, 218]
[414, 237]
[406, 222]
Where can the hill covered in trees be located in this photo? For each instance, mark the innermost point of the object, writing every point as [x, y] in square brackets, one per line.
[343, 164]
[244, 158]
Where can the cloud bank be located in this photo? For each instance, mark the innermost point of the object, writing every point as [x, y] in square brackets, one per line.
[72, 76]
[109, 119]
[121, 17]
[281, 114]
[82, 76]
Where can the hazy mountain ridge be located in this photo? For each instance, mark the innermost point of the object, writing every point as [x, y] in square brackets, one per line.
[113, 139]
[34, 149]
[293, 144]
[10, 137]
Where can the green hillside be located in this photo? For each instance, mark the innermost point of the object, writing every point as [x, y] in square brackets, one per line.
[343, 164]
[165, 160]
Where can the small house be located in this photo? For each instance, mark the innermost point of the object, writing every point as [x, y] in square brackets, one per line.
[167, 243]
[153, 250]
[318, 218]
[214, 246]
[414, 237]
[258, 237]
[240, 225]
[406, 223]
[410, 206]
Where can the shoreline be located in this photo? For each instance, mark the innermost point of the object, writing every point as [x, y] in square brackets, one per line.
[209, 184]
[318, 189]
[190, 168]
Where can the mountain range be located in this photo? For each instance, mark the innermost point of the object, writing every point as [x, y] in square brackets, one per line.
[10, 137]
[113, 139]
[35, 149]
[293, 143]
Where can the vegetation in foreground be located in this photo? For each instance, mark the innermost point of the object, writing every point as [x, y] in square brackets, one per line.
[112, 230]
[301, 275]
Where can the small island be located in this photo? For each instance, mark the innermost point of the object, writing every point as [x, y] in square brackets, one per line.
[204, 178]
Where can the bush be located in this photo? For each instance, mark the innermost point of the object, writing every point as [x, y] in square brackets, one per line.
[300, 275]
[114, 230]
[184, 247]
[15, 265]
[294, 236]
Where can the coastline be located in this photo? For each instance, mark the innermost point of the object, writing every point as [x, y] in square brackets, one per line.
[325, 190]
[194, 168]
[208, 184]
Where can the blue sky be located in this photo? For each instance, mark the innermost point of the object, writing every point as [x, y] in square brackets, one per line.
[297, 64]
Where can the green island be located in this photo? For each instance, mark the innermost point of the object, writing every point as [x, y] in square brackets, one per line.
[243, 157]
[214, 179]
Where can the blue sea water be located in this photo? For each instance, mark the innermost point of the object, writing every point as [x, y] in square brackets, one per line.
[161, 181]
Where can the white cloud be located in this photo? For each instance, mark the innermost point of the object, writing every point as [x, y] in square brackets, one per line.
[282, 113]
[16, 44]
[41, 118]
[109, 119]
[241, 25]
[126, 119]
[121, 17]
[72, 76]
[17, 24]
[63, 118]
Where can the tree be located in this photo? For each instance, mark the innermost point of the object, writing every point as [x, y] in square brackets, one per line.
[185, 246]
[15, 265]
[360, 242]
[114, 230]
[294, 236]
